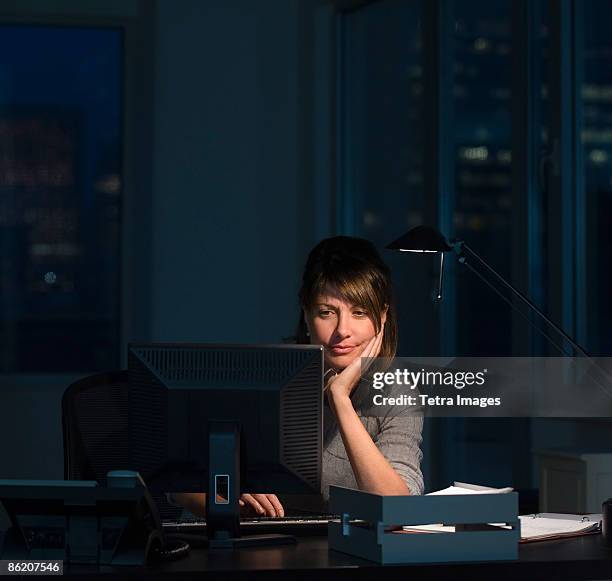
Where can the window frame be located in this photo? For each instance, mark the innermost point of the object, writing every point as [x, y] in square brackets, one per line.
[136, 21]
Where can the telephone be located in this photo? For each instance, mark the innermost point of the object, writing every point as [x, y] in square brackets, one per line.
[78, 521]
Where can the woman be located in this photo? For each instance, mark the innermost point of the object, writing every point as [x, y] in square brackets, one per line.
[347, 307]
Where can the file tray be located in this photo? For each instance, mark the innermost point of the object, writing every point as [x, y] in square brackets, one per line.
[372, 536]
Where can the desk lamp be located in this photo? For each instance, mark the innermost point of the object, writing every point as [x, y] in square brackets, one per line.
[425, 239]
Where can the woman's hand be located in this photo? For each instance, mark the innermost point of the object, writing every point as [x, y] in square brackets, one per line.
[261, 504]
[343, 384]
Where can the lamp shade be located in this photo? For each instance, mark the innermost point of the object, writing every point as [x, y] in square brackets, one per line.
[421, 239]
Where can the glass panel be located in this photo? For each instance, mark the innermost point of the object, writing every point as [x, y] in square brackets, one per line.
[383, 118]
[482, 133]
[597, 168]
[60, 193]
[381, 142]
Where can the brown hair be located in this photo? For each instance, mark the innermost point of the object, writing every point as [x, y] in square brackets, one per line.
[353, 267]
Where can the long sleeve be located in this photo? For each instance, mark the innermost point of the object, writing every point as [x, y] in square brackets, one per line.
[399, 439]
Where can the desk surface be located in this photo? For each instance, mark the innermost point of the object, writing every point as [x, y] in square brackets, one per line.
[577, 558]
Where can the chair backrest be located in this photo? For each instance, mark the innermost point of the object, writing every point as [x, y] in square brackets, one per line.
[95, 429]
[95, 426]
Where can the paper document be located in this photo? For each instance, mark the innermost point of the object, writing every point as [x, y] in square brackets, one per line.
[541, 527]
[463, 488]
[534, 527]
[456, 489]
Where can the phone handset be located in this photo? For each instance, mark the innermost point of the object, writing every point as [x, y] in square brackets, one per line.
[145, 524]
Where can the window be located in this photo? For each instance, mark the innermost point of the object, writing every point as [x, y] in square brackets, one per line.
[530, 129]
[482, 133]
[60, 194]
[596, 134]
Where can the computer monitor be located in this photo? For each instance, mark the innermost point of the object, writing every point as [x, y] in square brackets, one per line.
[226, 419]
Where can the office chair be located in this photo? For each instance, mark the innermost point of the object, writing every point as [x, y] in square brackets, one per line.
[95, 430]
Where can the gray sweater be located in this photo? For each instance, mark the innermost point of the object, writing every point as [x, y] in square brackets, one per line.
[397, 435]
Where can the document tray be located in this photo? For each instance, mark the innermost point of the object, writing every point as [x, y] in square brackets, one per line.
[380, 537]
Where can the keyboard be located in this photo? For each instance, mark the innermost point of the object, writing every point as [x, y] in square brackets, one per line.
[290, 525]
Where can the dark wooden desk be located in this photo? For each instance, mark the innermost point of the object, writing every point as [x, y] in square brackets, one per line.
[578, 558]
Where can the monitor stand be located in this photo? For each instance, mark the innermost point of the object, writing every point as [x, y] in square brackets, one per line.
[222, 507]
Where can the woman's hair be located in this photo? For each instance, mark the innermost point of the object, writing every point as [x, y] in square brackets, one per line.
[352, 267]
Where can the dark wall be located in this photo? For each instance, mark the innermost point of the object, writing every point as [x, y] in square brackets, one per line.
[232, 215]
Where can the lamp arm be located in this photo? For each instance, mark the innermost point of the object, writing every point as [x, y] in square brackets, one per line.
[463, 251]
[602, 378]
[512, 306]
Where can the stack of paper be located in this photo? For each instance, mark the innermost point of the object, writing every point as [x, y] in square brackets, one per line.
[463, 488]
[456, 489]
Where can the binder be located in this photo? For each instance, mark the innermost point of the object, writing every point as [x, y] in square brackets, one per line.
[547, 526]
[535, 527]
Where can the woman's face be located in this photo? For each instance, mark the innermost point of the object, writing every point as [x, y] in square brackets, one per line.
[342, 328]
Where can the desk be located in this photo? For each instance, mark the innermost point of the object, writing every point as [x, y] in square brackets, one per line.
[577, 558]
